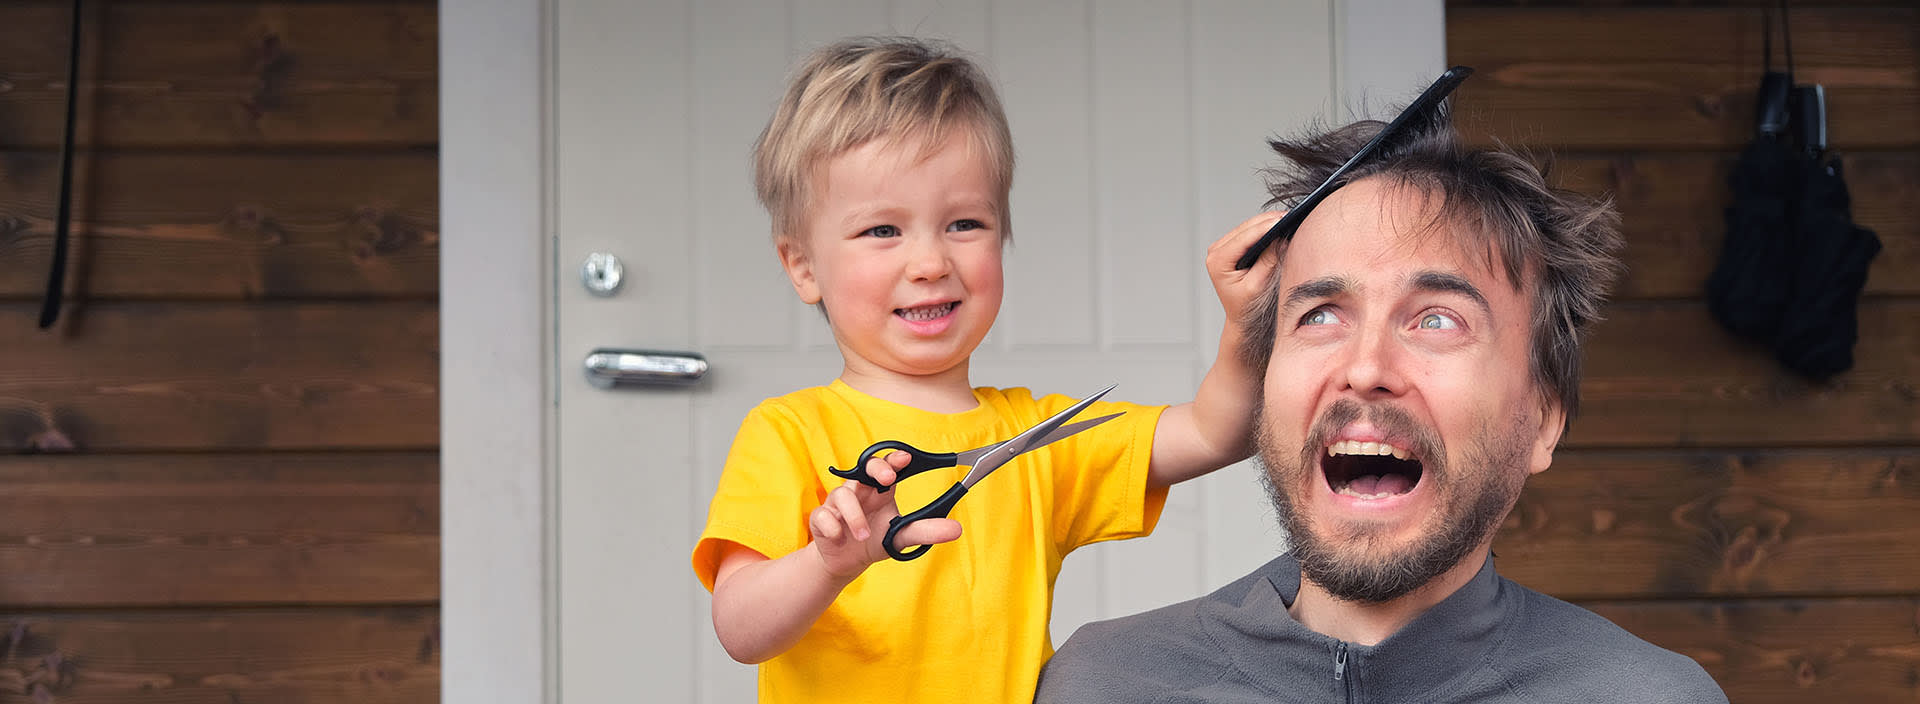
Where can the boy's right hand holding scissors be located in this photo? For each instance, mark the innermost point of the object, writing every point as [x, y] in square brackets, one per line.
[849, 526]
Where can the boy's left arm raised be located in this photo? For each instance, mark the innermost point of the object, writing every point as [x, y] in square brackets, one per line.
[1216, 428]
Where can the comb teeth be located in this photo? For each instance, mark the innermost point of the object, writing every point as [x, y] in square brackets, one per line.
[1424, 111]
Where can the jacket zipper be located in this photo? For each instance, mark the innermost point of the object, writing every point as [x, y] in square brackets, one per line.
[1340, 669]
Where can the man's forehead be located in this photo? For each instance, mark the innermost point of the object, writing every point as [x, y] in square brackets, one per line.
[1372, 230]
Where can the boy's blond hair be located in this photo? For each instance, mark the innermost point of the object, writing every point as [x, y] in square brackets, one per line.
[865, 88]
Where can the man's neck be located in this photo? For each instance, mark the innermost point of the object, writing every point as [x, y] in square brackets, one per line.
[1368, 624]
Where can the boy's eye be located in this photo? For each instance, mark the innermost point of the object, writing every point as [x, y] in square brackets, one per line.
[1319, 316]
[1437, 321]
[882, 231]
[965, 225]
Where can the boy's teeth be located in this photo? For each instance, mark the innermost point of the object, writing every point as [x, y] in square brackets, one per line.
[1355, 447]
[925, 312]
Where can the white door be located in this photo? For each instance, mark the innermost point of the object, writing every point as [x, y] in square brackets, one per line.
[1138, 128]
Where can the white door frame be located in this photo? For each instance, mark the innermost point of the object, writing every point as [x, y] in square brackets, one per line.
[497, 367]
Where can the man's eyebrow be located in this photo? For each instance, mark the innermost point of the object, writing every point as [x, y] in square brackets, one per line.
[1442, 282]
[1317, 289]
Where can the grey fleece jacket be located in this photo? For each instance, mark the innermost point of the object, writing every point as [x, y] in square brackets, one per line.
[1491, 641]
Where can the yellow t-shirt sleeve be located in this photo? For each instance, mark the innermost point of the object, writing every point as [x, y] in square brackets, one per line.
[1100, 485]
[766, 491]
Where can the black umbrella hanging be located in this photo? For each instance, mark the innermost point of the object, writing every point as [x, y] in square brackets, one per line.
[1793, 264]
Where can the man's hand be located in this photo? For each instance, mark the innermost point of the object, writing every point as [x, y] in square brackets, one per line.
[848, 527]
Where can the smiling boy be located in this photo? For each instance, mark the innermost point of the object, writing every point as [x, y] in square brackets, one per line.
[886, 170]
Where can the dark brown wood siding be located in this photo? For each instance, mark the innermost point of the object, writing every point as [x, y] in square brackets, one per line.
[219, 473]
[1707, 499]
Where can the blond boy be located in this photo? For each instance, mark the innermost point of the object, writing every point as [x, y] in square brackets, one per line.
[886, 170]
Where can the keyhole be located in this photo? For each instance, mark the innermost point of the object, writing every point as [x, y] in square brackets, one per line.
[602, 274]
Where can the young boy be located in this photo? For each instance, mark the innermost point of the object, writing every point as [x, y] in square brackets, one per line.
[886, 170]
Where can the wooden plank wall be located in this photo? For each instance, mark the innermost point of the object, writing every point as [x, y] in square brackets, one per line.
[219, 475]
[1707, 499]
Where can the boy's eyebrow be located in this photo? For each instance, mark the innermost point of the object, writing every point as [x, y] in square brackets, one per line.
[1317, 289]
[1444, 282]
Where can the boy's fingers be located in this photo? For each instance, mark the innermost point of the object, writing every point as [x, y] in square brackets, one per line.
[825, 526]
[1247, 232]
[846, 506]
[927, 531]
[1226, 251]
[882, 467]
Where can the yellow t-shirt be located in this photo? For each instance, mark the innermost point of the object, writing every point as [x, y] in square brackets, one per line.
[968, 621]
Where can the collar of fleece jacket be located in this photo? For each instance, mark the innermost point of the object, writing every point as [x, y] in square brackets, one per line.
[1421, 659]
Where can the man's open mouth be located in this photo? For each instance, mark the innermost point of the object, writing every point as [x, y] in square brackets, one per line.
[924, 313]
[1369, 470]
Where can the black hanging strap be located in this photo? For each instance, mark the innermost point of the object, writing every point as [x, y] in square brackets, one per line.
[63, 217]
[1773, 104]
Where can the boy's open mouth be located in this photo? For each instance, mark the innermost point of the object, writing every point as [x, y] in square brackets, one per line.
[924, 313]
[1369, 470]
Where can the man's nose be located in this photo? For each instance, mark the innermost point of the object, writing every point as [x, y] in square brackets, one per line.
[1373, 364]
[927, 258]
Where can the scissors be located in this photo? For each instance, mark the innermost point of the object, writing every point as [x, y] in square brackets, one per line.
[983, 460]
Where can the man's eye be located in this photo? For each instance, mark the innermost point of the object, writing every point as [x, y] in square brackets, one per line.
[882, 231]
[1319, 316]
[1436, 321]
[965, 225]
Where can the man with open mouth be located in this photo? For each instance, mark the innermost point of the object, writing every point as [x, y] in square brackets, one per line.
[1421, 344]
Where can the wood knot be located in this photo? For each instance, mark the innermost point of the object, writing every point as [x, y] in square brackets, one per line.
[1710, 106]
[12, 228]
[1804, 674]
[272, 64]
[1603, 520]
[52, 675]
[49, 440]
[254, 224]
[384, 232]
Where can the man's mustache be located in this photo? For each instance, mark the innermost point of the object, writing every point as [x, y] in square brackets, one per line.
[1396, 422]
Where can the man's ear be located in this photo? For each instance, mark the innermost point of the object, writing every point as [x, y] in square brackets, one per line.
[799, 266]
[1553, 422]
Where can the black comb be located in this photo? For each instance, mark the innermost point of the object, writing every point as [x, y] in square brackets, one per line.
[1421, 110]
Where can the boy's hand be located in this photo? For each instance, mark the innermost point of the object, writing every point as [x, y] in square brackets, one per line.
[847, 528]
[1237, 287]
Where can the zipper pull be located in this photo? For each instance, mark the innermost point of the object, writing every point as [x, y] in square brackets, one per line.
[1340, 662]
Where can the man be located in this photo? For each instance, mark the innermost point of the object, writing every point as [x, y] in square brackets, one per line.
[1421, 344]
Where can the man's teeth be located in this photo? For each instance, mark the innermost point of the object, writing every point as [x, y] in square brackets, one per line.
[923, 313]
[1348, 490]
[1376, 449]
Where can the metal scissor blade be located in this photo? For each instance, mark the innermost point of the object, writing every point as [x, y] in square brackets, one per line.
[1070, 429]
[1040, 434]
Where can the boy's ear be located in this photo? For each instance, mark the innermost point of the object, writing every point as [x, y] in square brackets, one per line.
[799, 266]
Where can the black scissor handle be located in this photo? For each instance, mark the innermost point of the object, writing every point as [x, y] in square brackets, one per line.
[922, 461]
[938, 509]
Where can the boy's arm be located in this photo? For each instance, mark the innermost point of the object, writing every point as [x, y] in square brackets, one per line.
[762, 607]
[1216, 428]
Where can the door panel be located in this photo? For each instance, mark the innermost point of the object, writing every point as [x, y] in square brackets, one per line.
[1138, 128]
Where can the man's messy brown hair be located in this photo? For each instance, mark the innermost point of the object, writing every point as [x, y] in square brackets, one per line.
[1496, 200]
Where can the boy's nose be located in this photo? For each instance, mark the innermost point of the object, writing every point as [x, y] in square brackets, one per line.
[927, 259]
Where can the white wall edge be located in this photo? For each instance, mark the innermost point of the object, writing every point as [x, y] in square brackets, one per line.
[496, 639]
[1385, 53]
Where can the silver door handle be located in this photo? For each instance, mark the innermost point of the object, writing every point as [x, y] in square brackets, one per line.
[613, 368]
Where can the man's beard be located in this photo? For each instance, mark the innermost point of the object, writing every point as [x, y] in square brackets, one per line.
[1355, 563]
